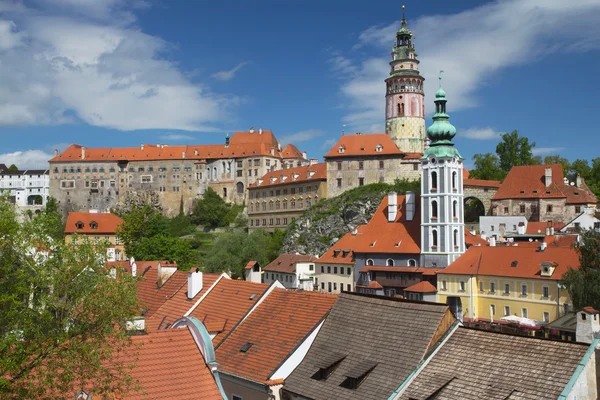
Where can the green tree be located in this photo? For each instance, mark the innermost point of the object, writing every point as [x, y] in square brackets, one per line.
[581, 167]
[583, 283]
[13, 167]
[556, 159]
[62, 316]
[487, 166]
[211, 210]
[514, 150]
[164, 247]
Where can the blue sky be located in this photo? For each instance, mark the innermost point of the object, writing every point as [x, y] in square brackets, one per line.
[120, 73]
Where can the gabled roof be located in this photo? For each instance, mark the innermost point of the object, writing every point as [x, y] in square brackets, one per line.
[528, 182]
[226, 305]
[307, 173]
[474, 240]
[178, 303]
[286, 263]
[291, 152]
[540, 227]
[257, 136]
[513, 261]
[394, 335]
[421, 287]
[275, 328]
[364, 145]
[250, 264]
[522, 368]
[107, 223]
[150, 295]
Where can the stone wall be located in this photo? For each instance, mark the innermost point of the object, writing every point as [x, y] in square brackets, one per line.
[537, 210]
[484, 194]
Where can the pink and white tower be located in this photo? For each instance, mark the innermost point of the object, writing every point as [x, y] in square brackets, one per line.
[404, 98]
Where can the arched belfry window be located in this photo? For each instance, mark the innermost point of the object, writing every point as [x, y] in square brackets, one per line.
[434, 209]
[389, 262]
[434, 239]
[454, 209]
[434, 180]
[370, 262]
[455, 238]
[454, 180]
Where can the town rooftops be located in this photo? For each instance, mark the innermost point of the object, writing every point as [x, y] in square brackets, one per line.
[367, 346]
[6, 171]
[226, 304]
[92, 223]
[307, 173]
[421, 287]
[291, 152]
[364, 145]
[514, 261]
[475, 364]
[286, 263]
[540, 227]
[528, 182]
[271, 332]
[150, 293]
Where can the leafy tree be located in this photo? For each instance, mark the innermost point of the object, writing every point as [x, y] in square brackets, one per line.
[13, 167]
[164, 247]
[556, 159]
[487, 166]
[212, 211]
[62, 316]
[514, 150]
[581, 167]
[583, 283]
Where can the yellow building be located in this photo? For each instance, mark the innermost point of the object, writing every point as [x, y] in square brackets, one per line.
[96, 227]
[489, 283]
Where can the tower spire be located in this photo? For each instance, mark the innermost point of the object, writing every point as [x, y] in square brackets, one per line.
[403, 18]
[441, 131]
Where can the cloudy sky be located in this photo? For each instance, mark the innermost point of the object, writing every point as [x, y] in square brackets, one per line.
[120, 73]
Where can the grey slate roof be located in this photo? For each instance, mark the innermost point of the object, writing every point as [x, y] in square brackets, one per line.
[476, 364]
[393, 335]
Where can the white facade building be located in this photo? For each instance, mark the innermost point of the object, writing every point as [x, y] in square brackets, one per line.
[28, 189]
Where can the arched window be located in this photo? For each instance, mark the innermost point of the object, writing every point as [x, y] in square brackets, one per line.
[293, 204]
[454, 209]
[454, 180]
[370, 262]
[240, 187]
[434, 182]
[224, 193]
[264, 206]
[389, 262]
[455, 238]
[434, 209]
[94, 225]
[79, 225]
[271, 205]
[434, 239]
[412, 263]
[277, 205]
[285, 204]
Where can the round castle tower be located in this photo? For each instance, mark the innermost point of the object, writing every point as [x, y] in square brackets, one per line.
[404, 98]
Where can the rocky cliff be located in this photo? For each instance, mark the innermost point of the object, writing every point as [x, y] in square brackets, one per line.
[328, 220]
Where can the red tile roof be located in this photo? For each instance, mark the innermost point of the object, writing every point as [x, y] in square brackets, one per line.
[256, 137]
[178, 304]
[107, 223]
[228, 301]
[364, 145]
[412, 156]
[474, 240]
[466, 174]
[286, 263]
[307, 173]
[170, 366]
[499, 261]
[540, 227]
[527, 182]
[275, 329]
[250, 264]
[291, 151]
[590, 310]
[481, 183]
[421, 287]
[151, 296]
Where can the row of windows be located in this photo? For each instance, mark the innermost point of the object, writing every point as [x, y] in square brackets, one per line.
[272, 221]
[277, 205]
[279, 192]
[333, 287]
[434, 209]
[434, 239]
[391, 263]
[492, 288]
[434, 179]
[348, 270]
[524, 313]
[96, 239]
[361, 164]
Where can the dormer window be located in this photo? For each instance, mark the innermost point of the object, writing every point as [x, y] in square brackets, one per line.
[295, 176]
[547, 269]
[341, 149]
[357, 374]
[94, 225]
[79, 225]
[327, 365]
[378, 148]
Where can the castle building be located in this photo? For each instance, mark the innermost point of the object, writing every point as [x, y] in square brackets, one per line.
[165, 177]
[405, 98]
[27, 189]
[442, 209]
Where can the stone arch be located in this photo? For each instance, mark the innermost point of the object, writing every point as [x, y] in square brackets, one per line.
[474, 208]
[34, 199]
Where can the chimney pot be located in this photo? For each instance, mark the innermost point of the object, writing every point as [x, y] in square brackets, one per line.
[410, 206]
[55, 152]
[194, 283]
[83, 152]
[392, 206]
[492, 241]
[260, 130]
[142, 147]
[252, 129]
[548, 176]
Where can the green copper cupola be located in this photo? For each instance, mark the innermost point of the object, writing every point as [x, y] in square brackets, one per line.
[441, 132]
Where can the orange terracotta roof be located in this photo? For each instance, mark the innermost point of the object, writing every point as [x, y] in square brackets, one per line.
[364, 145]
[419, 270]
[466, 174]
[250, 265]
[307, 173]
[540, 227]
[474, 240]
[151, 296]
[412, 156]
[499, 261]
[107, 223]
[481, 183]
[527, 182]
[229, 300]
[176, 352]
[286, 263]
[561, 240]
[256, 137]
[590, 310]
[178, 304]
[275, 329]
[291, 151]
[421, 287]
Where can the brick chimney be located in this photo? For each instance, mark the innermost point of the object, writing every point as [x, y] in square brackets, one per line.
[548, 177]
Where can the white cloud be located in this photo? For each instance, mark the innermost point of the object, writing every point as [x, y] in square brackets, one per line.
[86, 60]
[176, 136]
[29, 159]
[230, 74]
[327, 144]
[538, 151]
[480, 134]
[302, 136]
[470, 47]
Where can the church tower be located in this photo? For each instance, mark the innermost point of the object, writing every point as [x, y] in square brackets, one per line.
[404, 98]
[442, 210]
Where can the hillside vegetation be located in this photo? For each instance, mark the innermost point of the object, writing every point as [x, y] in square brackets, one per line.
[330, 219]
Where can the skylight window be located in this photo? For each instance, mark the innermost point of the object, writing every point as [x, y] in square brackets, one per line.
[357, 374]
[246, 347]
[327, 365]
